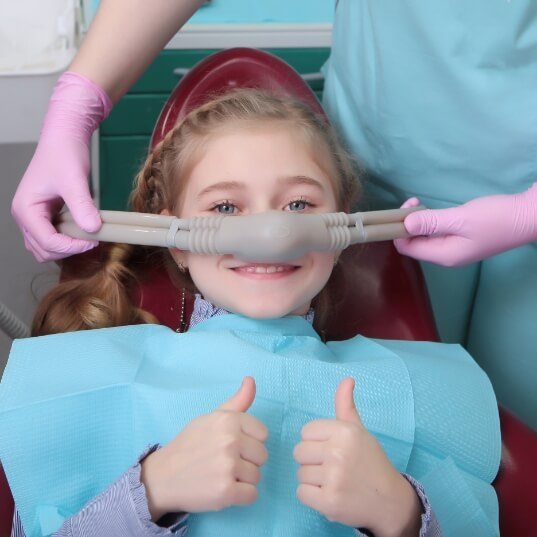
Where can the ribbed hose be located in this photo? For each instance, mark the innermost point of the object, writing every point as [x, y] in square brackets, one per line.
[11, 324]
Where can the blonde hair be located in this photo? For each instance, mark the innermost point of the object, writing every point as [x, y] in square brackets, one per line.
[101, 297]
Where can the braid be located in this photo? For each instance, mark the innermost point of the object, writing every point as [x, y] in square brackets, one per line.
[97, 299]
[152, 192]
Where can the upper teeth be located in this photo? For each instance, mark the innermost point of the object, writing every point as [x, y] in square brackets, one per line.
[264, 269]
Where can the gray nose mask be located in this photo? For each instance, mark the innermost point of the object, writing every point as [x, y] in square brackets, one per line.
[261, 237]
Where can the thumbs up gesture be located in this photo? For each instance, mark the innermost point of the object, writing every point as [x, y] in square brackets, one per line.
[345, 475]
[212, 464]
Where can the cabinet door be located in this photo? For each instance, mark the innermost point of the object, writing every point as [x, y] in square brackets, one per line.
[134, 115]
[120, 159]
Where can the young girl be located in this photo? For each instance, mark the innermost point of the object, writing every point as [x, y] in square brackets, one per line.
[274, 458]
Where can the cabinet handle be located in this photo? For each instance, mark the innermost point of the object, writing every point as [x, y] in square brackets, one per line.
[181, 71]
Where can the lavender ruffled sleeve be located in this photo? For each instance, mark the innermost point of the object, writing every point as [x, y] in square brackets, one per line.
[121, 510]
[429, 523]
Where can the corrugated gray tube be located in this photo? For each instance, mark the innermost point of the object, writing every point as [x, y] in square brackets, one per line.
[11, 324]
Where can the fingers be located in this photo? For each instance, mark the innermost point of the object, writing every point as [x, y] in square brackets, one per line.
[324, 429]
[311, 474]
[319, 430]
[435, 222]
[309, 453]
[422, 224]
[79, 201]
[242, 494]
[450, 251]
[344, 402]
[248, 472]
[412, 202]
[253, 427]
[439, 236]
[42, 239]
[253, 450]
[312, 496]
[33, 248]
[241, 402]
[243, 398]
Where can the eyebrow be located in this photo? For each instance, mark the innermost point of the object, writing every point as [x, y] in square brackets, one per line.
[284, 181]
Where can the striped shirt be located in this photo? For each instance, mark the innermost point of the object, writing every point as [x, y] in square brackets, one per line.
[122, 510]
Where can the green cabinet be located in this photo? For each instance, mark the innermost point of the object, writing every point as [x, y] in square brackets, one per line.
[124, 136]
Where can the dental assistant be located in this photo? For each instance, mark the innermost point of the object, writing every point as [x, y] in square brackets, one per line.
[440, 101]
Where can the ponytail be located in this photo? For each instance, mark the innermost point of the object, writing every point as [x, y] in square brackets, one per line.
[98, 298]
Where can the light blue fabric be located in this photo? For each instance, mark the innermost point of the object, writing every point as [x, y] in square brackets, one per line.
[77, 408]
[439, 100]
[503, 328]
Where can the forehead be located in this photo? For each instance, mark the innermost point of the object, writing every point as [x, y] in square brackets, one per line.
[256, 154]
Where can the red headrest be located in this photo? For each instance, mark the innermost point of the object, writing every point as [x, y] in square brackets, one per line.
[382, 293]
[228, 69]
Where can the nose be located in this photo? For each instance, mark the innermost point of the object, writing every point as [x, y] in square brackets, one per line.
[262, 206]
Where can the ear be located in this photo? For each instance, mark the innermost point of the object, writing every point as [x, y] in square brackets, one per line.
[179, 256]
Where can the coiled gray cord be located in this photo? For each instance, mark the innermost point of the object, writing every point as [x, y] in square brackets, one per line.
[11, 324]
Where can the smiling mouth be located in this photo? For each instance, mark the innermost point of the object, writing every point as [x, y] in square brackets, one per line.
[265, 269]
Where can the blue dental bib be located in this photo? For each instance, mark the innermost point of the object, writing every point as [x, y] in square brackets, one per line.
[77, 409]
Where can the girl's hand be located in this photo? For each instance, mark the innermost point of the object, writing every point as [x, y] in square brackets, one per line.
[212, 464]
[345, 474]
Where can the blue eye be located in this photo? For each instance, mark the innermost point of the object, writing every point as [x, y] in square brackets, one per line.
[298, 205]
[225, 208]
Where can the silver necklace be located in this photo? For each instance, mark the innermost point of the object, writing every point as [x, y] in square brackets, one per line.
[182, 324]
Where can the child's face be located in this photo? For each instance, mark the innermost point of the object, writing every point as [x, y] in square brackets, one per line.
[248, 171]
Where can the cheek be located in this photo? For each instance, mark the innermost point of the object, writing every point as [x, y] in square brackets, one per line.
[322, 265]
[202, 269]
[324, 262]
[200, 263]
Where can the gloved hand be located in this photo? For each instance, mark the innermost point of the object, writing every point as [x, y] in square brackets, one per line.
[59, 170]
[478, 229]
[213, 463]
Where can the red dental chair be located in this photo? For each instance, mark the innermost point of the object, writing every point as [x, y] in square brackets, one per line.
[389, 288]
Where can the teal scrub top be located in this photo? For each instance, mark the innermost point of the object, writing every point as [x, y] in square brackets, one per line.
[438, 99]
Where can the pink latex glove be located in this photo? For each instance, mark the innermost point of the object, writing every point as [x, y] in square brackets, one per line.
[478, 229]
[59, 170]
